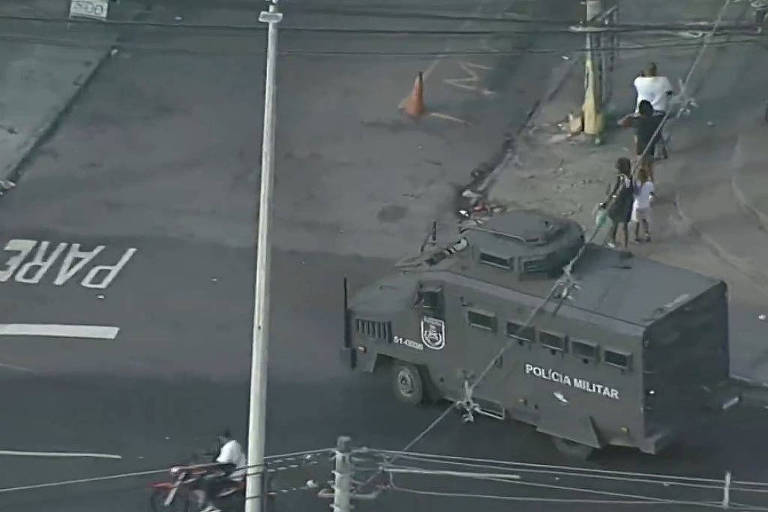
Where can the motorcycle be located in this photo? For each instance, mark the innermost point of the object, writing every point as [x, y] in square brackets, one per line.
[179, 492]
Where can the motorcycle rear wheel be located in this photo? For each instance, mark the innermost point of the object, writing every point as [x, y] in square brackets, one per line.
[180, 502]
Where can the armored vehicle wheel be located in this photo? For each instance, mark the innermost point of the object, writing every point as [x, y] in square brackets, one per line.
[573, 449]
[407, 383]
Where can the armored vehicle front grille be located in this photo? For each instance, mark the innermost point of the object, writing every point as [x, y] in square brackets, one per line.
[373, 329]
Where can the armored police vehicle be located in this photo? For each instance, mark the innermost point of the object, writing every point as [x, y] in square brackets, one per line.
[627, 357]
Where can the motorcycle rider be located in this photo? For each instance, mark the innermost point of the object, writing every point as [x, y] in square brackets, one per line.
[232, 465]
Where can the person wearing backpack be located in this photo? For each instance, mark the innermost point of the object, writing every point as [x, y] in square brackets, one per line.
[619, 202]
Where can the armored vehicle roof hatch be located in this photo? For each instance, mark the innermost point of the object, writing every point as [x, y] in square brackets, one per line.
[527, 244]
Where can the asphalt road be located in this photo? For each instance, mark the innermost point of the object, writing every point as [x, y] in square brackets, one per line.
[160, 155]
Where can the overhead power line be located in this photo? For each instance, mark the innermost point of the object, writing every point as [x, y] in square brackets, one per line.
[535, 499]
[101, 42]
[562, 27]
[518, 481]
[508, 479]
[580, 473]
[516, 50]
[261, 28]
[708, 492]
[571, 501]
[429, 15]
[556, 469]
[508, 18]
[134, 474]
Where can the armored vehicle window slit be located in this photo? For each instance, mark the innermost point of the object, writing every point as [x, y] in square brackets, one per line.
[619, 359]
[481, 320]
[527, 335]
[586, 351]
[552, 341]
[535, 266]
[496, 261]
[431, 299]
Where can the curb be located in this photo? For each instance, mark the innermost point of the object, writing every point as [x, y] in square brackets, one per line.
[754, 393]
[481, 186]
[746, 204]
[754, 385]
[564, 76]
[50, 125]
[741, 198]
[530, 119]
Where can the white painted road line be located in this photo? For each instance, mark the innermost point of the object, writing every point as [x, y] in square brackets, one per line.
[60, 330]
[21, 453]
[16, 368]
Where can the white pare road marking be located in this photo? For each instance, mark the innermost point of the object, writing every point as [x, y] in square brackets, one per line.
[31, 260]
[60, 331]
[23, 453]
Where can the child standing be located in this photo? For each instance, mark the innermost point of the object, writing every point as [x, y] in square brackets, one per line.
[641, 208]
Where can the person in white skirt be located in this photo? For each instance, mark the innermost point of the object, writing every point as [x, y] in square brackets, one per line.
[641, 207]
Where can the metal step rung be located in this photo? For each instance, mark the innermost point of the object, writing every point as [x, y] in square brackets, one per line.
[491, 409]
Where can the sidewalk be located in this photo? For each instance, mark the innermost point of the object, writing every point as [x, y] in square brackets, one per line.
[701, 220]
[750, 179]
[44, 67]
[38, 85]
[39, 81]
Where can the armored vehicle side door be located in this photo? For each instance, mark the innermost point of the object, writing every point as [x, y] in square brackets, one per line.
[441, 341]
[483, 332]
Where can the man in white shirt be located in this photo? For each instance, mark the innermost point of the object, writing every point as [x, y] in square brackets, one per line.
[233, 462]
[657, 90]
[232, 454]
[654, 88]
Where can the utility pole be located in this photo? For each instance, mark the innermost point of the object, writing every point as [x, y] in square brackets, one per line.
[254, 490]
[342, 493]
[342, 482]
[592, 108]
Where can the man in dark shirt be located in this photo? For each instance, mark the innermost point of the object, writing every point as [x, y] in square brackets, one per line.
[647, 133]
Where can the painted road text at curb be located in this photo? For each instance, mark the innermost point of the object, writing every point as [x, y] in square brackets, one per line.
[29, 261]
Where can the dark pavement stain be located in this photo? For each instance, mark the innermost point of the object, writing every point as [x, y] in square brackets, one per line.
[395, 126]
[391, 213]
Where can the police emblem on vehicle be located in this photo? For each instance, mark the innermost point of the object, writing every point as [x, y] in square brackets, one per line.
[433, 332]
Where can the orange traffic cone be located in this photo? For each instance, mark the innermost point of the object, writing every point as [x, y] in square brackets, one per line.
[414, 105]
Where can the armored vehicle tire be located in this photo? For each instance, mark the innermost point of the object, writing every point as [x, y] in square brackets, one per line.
[407, 383]
[572, 449]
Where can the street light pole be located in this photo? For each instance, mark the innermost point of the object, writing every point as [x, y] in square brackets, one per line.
[255, 487]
